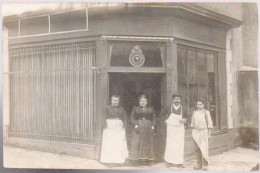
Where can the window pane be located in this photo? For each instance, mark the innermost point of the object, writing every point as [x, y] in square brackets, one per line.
[183, 91]
[210, 63]
[201, 63]
[191, 58]
[193, 92]
[211, 87]
[182, 86]
[212, 98]
[75, 20]
[211, 78]
[12, 28]
[32, 26]
[120, 52]
[181, 61]
[203, 87]
[213, 113]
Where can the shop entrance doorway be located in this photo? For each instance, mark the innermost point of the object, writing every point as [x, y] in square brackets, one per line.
[129, 86]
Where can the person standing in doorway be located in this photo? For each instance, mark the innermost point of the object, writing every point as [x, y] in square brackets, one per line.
[175, 131]
[114, 147]
[202, 124]
[143, 120]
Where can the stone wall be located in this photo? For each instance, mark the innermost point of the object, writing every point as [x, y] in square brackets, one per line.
[250, 34]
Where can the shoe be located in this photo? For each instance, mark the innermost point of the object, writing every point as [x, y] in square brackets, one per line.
[197, 166]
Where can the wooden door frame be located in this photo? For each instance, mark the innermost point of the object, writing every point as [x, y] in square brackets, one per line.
[167, 70]
[104, 68]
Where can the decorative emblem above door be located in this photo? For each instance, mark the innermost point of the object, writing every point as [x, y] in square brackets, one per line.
[136, 58]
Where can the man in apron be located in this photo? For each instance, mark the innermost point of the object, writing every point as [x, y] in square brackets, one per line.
[175, 120]
[202, 124]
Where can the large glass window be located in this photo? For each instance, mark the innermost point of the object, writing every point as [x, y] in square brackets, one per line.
[196, 79]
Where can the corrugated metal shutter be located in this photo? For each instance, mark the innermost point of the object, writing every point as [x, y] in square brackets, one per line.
[52, 91]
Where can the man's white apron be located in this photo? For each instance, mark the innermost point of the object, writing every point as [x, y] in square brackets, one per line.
[174, 151]
[114, 146]
[201, 139]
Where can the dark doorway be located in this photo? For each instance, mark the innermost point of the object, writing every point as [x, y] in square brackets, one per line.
[129, 86]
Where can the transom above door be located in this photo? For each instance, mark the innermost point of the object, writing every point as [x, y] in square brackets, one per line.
[136, 56]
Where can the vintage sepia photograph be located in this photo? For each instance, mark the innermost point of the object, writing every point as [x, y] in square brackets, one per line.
[130, 86]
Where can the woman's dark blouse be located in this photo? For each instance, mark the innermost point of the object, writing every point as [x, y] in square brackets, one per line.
[114, 112]
[138, 113]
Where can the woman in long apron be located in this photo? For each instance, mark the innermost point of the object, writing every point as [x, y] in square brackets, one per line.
[143, 120]
[202, 125]
[114, 147]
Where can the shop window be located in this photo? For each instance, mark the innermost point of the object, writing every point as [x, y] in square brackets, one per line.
[137, 54]
[33, 26]
[50, 85]
[196, 79]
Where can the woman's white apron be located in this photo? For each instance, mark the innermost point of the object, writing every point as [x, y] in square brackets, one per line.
[114, 146]
[174, 151]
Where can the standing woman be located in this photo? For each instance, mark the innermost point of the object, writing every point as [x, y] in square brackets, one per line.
[202, 124]
[114, 147]
[143, 120]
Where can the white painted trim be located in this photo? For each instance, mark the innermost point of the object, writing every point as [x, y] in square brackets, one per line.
[52, 33]
[6, 78]
[107, 37]
[230, 121]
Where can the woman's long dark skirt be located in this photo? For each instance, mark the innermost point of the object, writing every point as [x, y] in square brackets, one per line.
[142, 141]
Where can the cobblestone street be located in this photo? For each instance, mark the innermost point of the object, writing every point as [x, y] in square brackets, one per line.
[238, 159]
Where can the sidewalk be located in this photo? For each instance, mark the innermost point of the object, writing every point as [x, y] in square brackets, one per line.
[238, 159]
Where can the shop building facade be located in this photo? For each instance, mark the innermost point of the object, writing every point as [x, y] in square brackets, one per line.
[61, 68]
